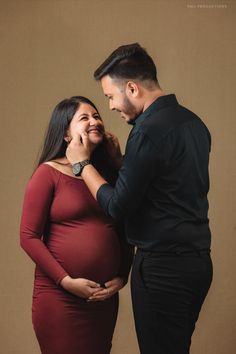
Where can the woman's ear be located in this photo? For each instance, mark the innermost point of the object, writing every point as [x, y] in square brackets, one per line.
[67, 137]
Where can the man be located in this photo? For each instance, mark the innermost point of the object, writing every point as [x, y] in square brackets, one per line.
[161, 192]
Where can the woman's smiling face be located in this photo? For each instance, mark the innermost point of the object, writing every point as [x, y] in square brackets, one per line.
[86, 119]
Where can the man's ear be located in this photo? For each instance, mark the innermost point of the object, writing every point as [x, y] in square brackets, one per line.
[132, 89]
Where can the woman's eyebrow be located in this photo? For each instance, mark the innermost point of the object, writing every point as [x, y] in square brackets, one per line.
[83, 114]
[87, 115]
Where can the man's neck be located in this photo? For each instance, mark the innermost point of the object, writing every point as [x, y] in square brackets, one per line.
[152, 96]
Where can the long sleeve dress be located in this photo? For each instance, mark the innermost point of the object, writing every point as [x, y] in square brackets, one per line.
[65, 232]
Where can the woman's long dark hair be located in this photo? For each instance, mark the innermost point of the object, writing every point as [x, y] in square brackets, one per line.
[54, 146]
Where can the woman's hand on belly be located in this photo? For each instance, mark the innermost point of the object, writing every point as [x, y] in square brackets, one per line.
[81, 287]
[110, 288]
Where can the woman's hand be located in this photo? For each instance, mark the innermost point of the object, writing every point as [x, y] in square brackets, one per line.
[80, 287]
[113, 149]
[111, 287]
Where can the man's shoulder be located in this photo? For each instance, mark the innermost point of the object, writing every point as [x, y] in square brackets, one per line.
[169, 120]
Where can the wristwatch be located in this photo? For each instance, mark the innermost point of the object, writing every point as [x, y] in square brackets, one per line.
[78, 167]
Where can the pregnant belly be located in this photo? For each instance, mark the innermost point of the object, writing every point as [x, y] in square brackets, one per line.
[91, 252]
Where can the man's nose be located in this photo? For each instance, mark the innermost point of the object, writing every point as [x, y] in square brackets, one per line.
[111, 106]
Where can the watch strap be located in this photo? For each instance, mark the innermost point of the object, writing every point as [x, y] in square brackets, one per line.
[77, 167]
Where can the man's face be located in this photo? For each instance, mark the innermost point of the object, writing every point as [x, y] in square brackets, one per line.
[118, 98]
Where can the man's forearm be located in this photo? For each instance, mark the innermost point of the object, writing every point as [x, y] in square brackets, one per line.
[92, 179]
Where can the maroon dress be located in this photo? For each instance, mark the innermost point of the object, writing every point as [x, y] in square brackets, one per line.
[78, 240]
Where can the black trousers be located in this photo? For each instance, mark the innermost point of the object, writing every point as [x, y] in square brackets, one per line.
[168, 291]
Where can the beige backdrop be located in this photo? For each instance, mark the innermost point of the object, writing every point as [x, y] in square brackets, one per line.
[49, 50]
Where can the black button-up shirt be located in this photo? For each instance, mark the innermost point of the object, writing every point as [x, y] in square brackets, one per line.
[162, 187]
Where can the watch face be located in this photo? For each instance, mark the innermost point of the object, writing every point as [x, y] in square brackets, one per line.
[77, 168]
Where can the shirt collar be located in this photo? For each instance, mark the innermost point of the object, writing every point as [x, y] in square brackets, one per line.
[158, 104]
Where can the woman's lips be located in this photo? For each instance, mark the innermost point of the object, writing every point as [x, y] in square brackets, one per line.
[95, 130]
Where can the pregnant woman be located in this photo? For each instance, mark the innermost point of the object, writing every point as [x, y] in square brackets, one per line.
[81, 257]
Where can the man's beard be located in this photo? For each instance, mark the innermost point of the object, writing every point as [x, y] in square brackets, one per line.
[130, 110]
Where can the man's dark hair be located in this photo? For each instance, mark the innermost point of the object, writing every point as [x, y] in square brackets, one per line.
[129, 61]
